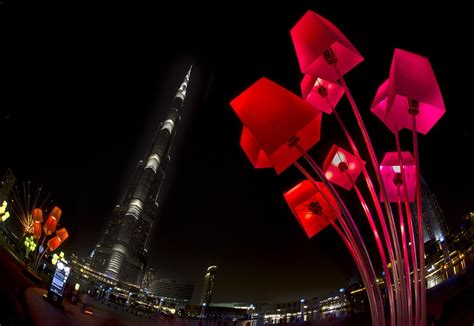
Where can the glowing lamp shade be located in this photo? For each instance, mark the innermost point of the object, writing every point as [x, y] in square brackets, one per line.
[62, 234]
[391, 176]
[56, 212]
[322, 94]
[54, 243]
[257, 157]
[275, 116]
[341, 167]
[312, 36]
[38, 215]
[52, 221]
[412, 79]
[37, 229]
[310, 207]
[379, 108]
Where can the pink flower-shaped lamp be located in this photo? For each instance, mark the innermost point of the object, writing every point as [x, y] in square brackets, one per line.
[341, 167]
[321, 93]
[319, 44]
[392, 176]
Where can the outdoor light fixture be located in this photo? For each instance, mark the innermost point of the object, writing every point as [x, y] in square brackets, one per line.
[392, 177]
[314, 209]
[292, 118]
[341, 167]
[321, 93]
[279, 128]
[257, 157]
[37, 220]
[316, 40]
[52, 221]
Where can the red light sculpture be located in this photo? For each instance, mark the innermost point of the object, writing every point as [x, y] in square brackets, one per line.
[322, 94]
[52, 221]
[276, 117]
[279, 128]
[54, 243]
[392, 176]
[37, 220]
[62, 234]
[341, 167]
[310, 207]
[315, 39]
[249, 145]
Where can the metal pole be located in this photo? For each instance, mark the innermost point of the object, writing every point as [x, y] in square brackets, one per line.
[383, 258]
[353, 248]
[352, 226]
[411, 233]
[405, 257]
[373, 158]
[378, 208]
[419, 211]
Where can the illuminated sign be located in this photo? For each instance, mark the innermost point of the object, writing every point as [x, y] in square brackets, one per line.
[58, 283]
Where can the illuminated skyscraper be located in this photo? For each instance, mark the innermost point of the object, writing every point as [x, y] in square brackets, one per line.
[123, 254]
[209, 283]
[434, 225]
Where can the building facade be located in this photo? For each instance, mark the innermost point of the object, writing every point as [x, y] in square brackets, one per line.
[122, 254]
[172, 291]
[434, 225]
[209, 284]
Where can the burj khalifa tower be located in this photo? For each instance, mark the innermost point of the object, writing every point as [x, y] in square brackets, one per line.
[122, 254]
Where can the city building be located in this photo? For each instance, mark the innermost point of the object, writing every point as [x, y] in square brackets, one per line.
[209, 284]
[434, 225]
[148, 278]
[122, 254]
[171, 291]
[288, 312]
[6, 185]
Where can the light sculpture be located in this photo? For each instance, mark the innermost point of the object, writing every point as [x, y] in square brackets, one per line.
[285, 126]
[279, 128]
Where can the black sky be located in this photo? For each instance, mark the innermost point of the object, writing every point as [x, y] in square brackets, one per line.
[82, 87]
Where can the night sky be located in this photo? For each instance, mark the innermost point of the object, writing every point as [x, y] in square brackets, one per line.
[83, 87]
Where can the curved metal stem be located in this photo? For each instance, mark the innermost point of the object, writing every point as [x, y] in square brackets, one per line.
[405, 257]
[378, 241]
[353, 248]
[378, 208]
[353, 228]
[411, 233]
[375, 164]
[419, 211]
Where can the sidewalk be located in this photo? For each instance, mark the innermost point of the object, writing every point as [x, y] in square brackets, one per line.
[44, 313]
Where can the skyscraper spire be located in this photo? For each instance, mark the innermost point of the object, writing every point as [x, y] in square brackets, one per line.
[122, 254]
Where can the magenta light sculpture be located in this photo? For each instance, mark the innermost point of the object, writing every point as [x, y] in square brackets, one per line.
[341, 167]
[413, 83]
[285, 126]
[399, 177]
[392, 177]
[279, 128]
[323, 51]
[321, 93]
[313, 37]
[414, 102]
